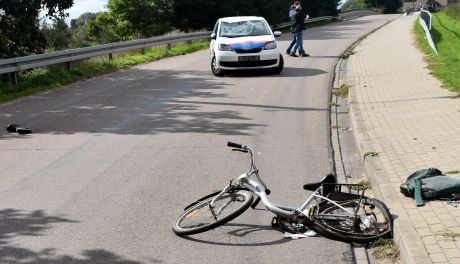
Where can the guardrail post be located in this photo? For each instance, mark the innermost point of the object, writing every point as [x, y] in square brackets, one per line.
[168, 46]
[14, 78]
[143, 51]
[110, 56]
[69, 65]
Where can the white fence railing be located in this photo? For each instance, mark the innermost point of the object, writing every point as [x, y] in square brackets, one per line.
[14, 65]
[424, 17]
[427, 17]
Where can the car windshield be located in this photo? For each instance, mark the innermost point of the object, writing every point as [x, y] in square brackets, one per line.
[243, 29]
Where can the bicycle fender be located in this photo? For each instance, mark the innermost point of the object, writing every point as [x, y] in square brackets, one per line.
[201, 199]
[209, 196]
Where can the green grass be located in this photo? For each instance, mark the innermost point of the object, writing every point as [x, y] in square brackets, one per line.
[341, 91]
[371, 154]
[448, 235]
[446, 36]
[42, 79]
[385, 250]
[348, 53]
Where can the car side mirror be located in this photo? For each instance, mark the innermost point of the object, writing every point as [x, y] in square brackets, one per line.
[277, 33]
[213, 36]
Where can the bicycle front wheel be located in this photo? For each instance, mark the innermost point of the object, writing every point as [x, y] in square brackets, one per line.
[199, 218]
[372, 221]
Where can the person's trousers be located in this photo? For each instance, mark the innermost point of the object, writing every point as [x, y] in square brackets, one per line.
[298, 44]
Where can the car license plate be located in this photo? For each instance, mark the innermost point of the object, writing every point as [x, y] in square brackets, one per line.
[248, 58]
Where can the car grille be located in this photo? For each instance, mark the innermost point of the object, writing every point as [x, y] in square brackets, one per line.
[256, 50]
[236, 64]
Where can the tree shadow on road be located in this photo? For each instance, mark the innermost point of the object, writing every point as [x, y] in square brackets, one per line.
[140, 102]
[16, 223]
[287, 72]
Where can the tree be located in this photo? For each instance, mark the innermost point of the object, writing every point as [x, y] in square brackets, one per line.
[58, 36]
[145, 18]
[388, 6]
[131, 19]
[78, 29]
[105, 28]
[20, 26]
[352, 4]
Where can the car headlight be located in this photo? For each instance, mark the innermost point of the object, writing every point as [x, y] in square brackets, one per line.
[270, 45]
[225, 47]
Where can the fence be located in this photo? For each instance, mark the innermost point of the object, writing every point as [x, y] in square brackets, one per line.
[17, 64]
[425, 21]
[427, 17]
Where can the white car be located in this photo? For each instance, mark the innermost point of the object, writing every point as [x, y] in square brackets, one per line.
[246, 42]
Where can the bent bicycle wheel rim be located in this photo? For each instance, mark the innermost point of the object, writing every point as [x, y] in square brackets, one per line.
[199, 218]
[374, 222]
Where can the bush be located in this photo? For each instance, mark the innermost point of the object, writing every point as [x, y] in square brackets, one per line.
[453, 11]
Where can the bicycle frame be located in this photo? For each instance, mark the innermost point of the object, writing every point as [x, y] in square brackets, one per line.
[258, 187]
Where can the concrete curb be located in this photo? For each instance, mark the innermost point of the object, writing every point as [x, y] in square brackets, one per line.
[411, 247]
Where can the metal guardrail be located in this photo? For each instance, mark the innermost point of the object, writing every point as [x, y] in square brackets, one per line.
[355, 13]
[14, 65]
[424, 17]
[32, 61]
[309, 20]
[427, 17]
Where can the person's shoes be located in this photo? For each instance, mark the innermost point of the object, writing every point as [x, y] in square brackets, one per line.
[12, 128]
[305, 55]
[288, 52]
[293, 55]
[18, 129]
[23, 130]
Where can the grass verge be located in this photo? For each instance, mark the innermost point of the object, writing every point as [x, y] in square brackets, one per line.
[385, 251]
[46, 78]
[446, 36]
[448, 235]
[341, 91]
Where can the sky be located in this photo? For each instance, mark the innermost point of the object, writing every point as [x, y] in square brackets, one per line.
[82, 6]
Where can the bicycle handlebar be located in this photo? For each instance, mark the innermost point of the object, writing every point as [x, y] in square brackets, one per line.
[235, 145]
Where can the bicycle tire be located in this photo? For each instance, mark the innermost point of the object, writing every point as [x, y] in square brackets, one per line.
[198, 218]
[374, 221]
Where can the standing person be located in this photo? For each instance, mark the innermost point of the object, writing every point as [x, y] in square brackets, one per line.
[297, 30]
[292, 13]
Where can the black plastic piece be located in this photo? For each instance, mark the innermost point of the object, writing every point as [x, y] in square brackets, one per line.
[12, 128]
[19, 129]
[234, 145]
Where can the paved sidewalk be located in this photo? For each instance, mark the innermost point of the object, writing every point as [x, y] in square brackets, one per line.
[402, 112]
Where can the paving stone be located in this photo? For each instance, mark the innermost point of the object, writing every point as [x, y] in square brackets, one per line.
[452, 253]
[438, 257]
[411, 131]
[433, 248]
[447, 244]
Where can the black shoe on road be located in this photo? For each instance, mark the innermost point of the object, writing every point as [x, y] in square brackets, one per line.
[305, 55]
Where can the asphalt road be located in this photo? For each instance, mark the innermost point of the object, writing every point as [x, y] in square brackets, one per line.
[114, 159]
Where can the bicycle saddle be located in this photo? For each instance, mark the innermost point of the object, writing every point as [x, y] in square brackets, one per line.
[330, 178]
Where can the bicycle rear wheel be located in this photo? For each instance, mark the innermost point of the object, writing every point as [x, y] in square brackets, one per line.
[373, 221]
[199, 218]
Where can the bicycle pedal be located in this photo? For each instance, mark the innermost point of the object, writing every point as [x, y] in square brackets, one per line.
[275, 222]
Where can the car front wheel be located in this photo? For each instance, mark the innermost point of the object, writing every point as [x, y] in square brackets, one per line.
[215, 67]
[279, 69]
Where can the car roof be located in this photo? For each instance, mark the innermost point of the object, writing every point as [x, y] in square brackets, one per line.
[240, 18]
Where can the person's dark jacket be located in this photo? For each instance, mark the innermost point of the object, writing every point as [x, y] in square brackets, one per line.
[299, 22]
